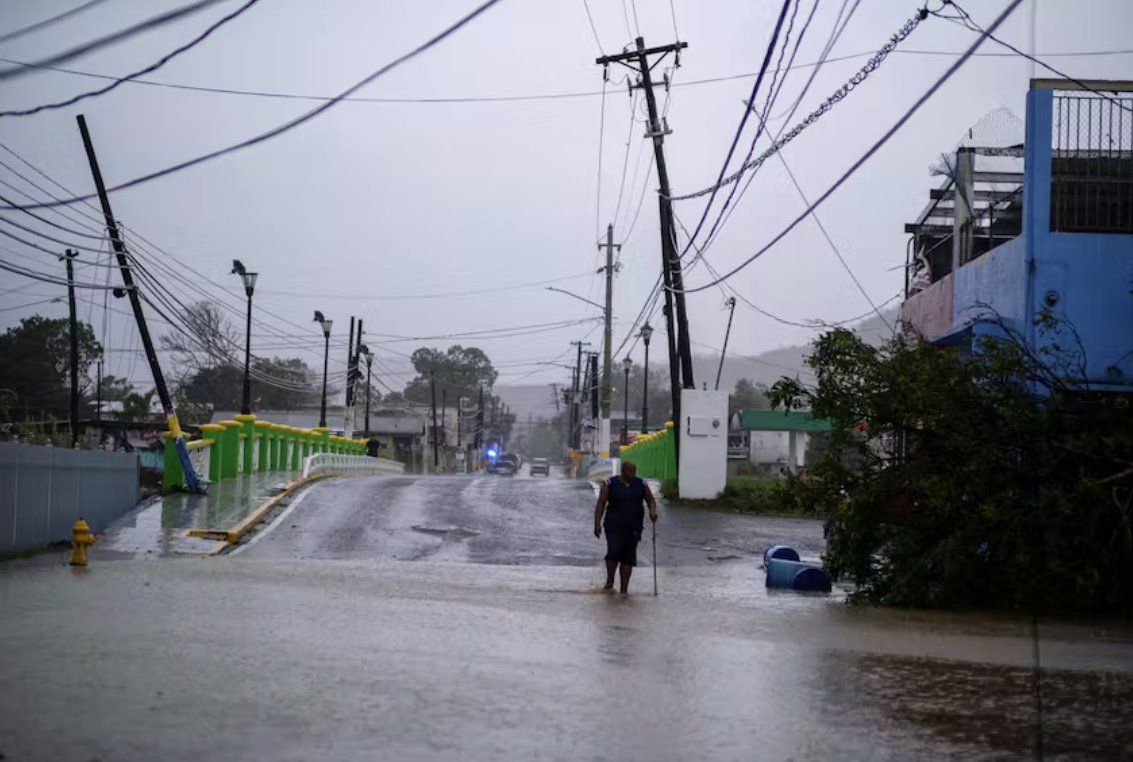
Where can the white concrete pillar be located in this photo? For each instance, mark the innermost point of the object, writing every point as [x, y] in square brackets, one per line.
[703, 427]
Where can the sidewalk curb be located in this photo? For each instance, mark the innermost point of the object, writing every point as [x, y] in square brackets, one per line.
[234, 534]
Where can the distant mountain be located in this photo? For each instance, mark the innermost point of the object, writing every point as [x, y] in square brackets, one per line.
[768, 367]
[765, 368]
[536, 400]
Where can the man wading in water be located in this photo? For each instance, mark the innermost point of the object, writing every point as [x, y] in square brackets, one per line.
[621, 499]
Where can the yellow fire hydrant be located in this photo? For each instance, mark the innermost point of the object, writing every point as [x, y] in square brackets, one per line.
[82, 538]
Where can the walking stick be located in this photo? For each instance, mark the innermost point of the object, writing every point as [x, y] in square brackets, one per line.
[654, 558]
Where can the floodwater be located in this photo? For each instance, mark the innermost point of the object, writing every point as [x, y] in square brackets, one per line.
[464, 647]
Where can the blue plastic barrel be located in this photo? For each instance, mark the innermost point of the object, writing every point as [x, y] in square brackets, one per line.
[780, 551]
[796, 575]
[812, 578]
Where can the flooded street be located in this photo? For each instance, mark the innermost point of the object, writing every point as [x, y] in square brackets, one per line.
[454, 618]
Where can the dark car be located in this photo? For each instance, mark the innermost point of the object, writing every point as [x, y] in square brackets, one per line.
[505, 468]
[540, 466]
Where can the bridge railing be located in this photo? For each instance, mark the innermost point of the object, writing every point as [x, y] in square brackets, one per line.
[248, 446]
[349, 465]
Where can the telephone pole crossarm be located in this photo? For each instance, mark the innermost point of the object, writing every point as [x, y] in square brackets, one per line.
[632, 54]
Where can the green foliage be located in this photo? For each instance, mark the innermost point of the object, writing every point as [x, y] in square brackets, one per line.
[748, 396]
[992, 478]
[670, 490]
[36, 365]
[459, 372]
[137, 407]
[115, 389]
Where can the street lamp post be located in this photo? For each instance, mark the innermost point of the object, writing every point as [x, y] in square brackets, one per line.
[326, 325]
[646, 335]
[627, 363]
[249, 280]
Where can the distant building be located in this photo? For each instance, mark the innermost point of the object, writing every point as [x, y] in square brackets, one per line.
[774, 441]
[1044, 222]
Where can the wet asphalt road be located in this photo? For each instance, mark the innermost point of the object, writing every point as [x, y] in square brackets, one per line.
[452, 619]
[519, 520]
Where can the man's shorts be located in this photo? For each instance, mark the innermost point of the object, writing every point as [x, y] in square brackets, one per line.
[621, 546]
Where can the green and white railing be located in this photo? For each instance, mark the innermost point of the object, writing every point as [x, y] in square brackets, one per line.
[247, 446]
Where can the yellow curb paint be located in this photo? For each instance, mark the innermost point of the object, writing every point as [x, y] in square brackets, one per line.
[233, 535]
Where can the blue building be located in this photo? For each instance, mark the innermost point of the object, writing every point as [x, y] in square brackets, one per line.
[1042, 225]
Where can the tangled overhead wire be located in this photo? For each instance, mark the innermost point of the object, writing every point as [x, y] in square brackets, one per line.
[862, 74]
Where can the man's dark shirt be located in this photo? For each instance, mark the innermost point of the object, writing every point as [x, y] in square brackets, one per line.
[625, 505]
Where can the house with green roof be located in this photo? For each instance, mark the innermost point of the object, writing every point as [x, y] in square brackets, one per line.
[772, 440]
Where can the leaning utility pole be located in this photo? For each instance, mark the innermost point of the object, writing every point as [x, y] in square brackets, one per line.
[69, 258]
[680, 362]
[604, 424]
[136, 305]
[727, 333]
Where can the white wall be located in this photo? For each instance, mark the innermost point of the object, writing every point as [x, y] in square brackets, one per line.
[704, 443]
[774, 446]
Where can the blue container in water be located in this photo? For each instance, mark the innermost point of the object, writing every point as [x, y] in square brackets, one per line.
[796, 575]
[780, 551]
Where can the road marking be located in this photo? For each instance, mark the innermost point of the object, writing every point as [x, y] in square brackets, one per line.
[261, 533]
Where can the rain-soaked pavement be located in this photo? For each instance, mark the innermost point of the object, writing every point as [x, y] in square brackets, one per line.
[482, 640]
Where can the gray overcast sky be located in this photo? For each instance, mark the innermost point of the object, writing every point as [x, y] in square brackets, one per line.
[377, 199]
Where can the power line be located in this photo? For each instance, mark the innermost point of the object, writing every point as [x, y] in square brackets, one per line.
[46, 278]
[743, 120]
[833, 246]
[594, 29]
[44, 236]
[41, 189]
[1012, 5]
[55, 225]
[440, 100]
[772, 98]
[49, 21]
[818, 113]
[601, 143]
[625, 159]
[112, 39]
[969, 23]
[840, 25]
[151, 68]
[673, 14]
[31, 304]
[432, 295]
[302, 119]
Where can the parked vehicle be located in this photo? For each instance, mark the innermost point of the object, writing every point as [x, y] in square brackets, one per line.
[540, 466]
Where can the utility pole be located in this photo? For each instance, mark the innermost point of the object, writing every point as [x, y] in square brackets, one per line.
[680, 356]
[136, 305]
[480, 421]
[604, 425]
[369, 367]
[69, 259]
[444, 412]
[436, 444]
[727, 333]
[577, 398]
[348, 399]
[594, 397]
[98, 398]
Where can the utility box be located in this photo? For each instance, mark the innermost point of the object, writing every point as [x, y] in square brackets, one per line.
[704, 443]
